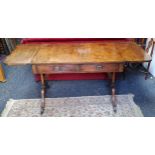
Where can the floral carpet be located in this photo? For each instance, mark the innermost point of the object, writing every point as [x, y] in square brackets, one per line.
[85, 106]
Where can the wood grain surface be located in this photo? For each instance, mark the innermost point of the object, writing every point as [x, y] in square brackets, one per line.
[77, 53]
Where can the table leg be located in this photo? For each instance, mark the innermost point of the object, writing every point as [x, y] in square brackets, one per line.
[113, 92]
[147, 71]
[42, 94]
[151, 54]
[2, 76]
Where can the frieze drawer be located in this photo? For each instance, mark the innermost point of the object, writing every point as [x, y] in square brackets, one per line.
[77, 68]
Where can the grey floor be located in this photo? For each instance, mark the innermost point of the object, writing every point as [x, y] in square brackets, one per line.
[21, 85]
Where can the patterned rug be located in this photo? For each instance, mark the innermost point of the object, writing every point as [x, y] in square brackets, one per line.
[85, 106]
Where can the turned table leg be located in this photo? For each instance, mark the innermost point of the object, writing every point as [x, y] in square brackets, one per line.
[151, 43]
[42, 94]
[113, 92]
[2, 76]
[147, 70]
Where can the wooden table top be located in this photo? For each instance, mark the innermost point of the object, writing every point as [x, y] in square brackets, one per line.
[77, 53]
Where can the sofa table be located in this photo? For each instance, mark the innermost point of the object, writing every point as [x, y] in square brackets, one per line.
[87, 57]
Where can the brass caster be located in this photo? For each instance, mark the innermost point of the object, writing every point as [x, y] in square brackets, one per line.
[115, 109]
[41, 110]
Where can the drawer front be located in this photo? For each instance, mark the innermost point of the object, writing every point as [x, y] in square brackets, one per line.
[47, 69]
[77, 68]
[105, 67]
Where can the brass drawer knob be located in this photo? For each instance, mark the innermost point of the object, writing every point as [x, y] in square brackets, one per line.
[58, 68]
[99, 67]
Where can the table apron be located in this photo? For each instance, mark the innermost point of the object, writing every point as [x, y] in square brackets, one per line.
[77, 68]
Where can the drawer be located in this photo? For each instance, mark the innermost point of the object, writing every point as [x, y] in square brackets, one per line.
[77, 68]
[48, 69]
[103, 67]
